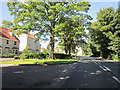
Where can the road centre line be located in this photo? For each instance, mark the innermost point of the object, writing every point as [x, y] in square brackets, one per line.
[102, 68]
[116, 79]
[107, 68]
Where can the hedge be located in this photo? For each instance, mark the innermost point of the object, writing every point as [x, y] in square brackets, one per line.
[44, 55]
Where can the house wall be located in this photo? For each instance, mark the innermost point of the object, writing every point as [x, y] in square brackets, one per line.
[10, 45]
[33, 44]
[27, 41]
[23, 41]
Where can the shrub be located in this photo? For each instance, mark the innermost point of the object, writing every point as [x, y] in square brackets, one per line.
[10, 55]
[115, 57]
[16, 57]
[23, 56]
[41, 55]
[30, 55]
[61, 56]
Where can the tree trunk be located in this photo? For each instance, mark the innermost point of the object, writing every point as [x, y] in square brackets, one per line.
[51, 52]
[69, 49]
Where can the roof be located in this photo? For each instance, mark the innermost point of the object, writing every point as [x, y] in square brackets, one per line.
[4, 33]
[31, 36]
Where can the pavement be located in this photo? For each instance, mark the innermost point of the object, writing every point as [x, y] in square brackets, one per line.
[89, 72]
[6, 59]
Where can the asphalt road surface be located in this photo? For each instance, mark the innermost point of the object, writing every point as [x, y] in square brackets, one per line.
[87, 73]
[94, 74]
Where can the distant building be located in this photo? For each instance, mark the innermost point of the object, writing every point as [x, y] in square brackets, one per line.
[79, 51]
[29, 40]
[9, 43]
[58, 50]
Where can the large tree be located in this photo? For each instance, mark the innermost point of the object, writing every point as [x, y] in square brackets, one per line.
[44, 17]
[72, 31]
[105, 33]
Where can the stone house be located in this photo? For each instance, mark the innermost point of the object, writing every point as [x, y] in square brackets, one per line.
[9, 43]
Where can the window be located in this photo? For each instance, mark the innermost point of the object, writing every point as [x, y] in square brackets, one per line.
[15, 42]
[7, 42]
[15, 51]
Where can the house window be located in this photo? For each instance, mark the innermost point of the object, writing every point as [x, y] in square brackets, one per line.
[15, 42]
[15, 51]
[7, 42]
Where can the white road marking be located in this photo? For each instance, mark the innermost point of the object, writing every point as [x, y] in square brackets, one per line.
[102, 68]
[99, 63]
[96, 63]
[107, 68]
[116, 79]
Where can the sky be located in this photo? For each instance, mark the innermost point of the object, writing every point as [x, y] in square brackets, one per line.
[96, 5]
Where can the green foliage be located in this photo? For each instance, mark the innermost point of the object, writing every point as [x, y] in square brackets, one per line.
[116, 57]
[46, 17]
[41, 55]
[9, 55]
[42, 62]
[26, 50]
[16, 57]
[105, 34]
[23, 56]
[44, 56]
[7, 24]
[61, 56]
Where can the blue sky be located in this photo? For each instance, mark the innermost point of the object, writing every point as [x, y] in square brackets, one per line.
[95, 7]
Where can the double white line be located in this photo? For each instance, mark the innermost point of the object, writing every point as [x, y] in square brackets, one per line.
[104, 68]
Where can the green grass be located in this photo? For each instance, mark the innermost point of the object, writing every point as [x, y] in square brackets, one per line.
[34, 61]
[117, 60]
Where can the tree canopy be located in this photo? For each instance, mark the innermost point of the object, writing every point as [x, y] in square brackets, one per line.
[46, 17]
[105, 33]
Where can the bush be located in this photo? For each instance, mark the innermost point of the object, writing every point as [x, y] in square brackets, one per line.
[9, 55]
[61, 56]
[23, 56]
[41, 55]
[30, 55]
[44, 55]
[33, 55]
[16, 57]
[115, 57]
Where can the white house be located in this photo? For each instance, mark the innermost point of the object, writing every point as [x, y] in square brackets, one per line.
[29, 40]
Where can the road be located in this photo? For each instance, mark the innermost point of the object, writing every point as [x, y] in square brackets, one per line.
[90, 73]
[87, 73]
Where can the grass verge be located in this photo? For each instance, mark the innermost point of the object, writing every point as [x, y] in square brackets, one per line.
[34, 61]
[116, 60]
